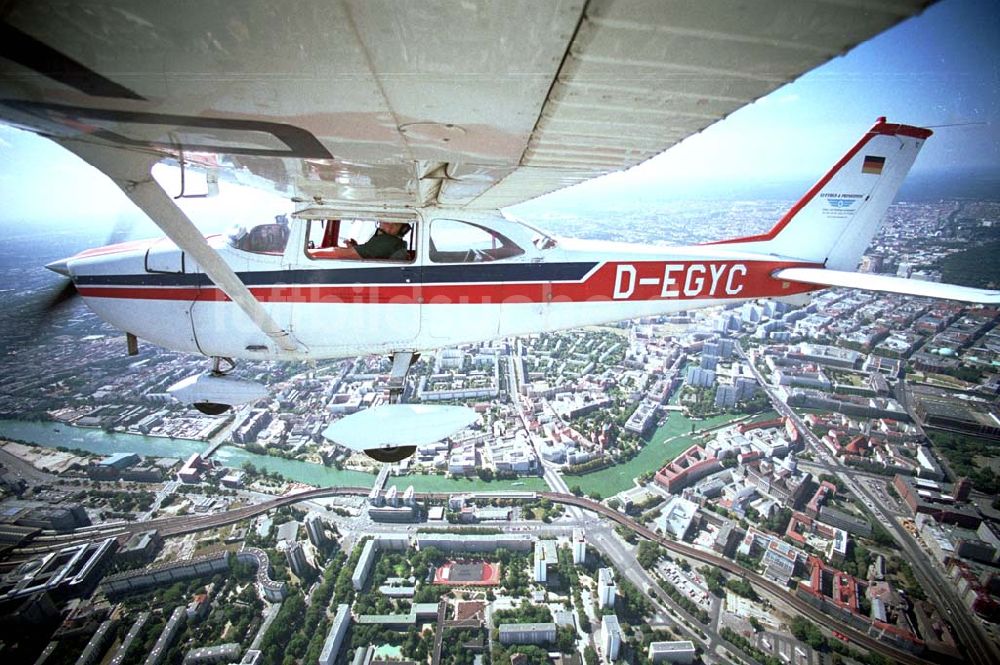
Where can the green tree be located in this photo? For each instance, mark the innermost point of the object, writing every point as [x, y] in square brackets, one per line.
[742, 588]
[281, 630]
[805, 630]
[648, 553]
[566, 639]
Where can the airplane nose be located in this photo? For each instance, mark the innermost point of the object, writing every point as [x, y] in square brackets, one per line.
[61, 266]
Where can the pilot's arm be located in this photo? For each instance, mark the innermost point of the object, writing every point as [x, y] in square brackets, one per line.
[341, 253]
[382, 245]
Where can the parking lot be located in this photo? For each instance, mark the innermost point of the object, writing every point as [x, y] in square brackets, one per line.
[788, 649]
[688, 583]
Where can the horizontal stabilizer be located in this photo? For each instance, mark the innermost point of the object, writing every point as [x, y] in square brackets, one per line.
[392, 425]
[869, 282]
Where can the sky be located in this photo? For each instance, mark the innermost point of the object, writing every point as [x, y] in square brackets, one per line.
[940, 69]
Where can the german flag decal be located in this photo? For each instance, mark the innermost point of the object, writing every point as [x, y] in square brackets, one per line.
[873, 165]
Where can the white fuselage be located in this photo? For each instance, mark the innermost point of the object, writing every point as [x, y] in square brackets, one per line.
[339, 308]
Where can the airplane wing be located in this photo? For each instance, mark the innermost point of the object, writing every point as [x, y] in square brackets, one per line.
[478, 104]
[889, 284]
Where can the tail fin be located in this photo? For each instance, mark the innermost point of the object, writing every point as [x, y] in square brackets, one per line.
[835, 221]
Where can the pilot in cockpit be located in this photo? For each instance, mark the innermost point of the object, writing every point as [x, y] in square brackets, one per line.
[387, 243]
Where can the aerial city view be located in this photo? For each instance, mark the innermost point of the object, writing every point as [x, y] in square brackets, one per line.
[804, 479]
[738, 482]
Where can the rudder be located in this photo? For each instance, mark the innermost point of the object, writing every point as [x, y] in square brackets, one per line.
[835, 221]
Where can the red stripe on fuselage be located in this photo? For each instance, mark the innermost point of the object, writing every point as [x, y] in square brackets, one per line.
[613, 282]
[146, 293]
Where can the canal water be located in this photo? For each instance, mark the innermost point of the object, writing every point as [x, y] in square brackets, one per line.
[668, 440]
[52, 435]
[98, 441]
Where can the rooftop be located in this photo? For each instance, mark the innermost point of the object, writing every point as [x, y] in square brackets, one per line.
[526, 627]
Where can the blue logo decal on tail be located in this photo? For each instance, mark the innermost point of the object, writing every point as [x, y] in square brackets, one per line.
[841, 203]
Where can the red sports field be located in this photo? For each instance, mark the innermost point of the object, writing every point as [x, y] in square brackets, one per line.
[468, 573]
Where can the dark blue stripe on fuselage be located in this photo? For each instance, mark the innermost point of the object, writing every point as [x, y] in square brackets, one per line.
[466, 272]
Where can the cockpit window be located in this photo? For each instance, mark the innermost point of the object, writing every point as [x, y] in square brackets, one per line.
[323, 234]
[261, 239]
[453, 241]
[364, 239]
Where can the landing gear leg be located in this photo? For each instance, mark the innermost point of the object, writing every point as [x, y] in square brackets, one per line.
[217, 366]
[401, 364]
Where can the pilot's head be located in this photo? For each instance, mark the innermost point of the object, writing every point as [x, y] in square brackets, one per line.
[393, 228]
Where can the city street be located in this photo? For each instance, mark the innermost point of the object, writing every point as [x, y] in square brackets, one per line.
[978, 647]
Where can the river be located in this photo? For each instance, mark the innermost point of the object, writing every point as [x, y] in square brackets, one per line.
[52, 435]
[668, 440]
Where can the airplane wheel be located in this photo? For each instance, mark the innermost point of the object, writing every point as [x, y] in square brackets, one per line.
[211, 408]
[391, 455]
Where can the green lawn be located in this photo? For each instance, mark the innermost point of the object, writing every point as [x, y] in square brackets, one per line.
[666, 443]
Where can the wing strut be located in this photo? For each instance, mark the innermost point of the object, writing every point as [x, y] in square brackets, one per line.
[132, 172]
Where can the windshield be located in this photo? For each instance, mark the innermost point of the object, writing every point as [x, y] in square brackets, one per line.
[540, 239]
[454, 241]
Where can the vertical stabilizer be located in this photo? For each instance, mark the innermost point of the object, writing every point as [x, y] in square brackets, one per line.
[837, 218]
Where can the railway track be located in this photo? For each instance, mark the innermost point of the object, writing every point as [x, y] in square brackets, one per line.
[175, 526]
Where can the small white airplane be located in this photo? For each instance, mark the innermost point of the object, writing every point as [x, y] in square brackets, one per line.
[434, 116]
